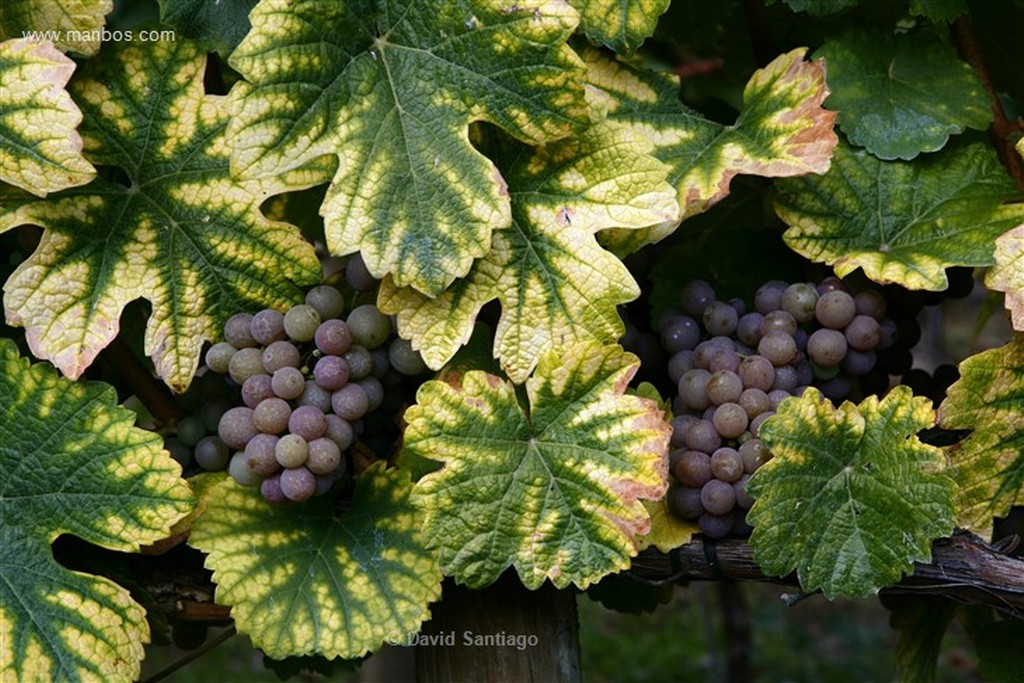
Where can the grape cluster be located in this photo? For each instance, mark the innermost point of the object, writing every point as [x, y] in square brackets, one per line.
[732, 368]
[308, 379]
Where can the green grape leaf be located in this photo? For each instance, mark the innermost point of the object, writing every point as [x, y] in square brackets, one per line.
[851, 497]
[307, 579]
[553, 488]
[182, 234]
[72, 25]
[621, 25]
[391, 94]
[996, 639]
[556, 285]
[71, 462]
[922, 622]
[876, 78]
[938, 10]
[781, 131]
[217, 25]
[901, 222]
[40, 150]
[818, 8]
[989, 464]
[1007, 275]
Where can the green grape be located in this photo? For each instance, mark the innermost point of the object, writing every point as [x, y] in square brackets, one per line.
[300, 323]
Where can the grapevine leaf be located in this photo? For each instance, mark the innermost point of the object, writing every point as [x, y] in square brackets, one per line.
[922, 623]
[391, 94]
[306, 579]
[938, 10]
[851, 497]
[553, 489]
[73, 25]
[40, 150]
[217, 25]
[621, 25]
[781, 131]
[877, 79]
[819, 8]
[989, 464]
[556, 285]
[668, 530]
[71, 462]
[182, 234]
[997, 640]
[1007, 275]
[901, 222]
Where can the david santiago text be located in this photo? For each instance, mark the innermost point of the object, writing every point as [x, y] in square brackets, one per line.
[519, 641]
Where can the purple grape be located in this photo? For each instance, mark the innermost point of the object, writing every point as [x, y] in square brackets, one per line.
[298, 484]
[308, 422]
[756, 372]
[324, 456]
[693, 468]
[768, 297]
[678, 364]
[717, 497]
[333, 337]
[696, 295]
[749, 328]
[799, 300]
[271, 490]
[256, 389]
[693, 388]
[291, 451]
[271, 415]
[724, 387]
[681, 334]
[360, 362]
[288, 383]
[726, 464]
[703, 436]
[339, 431]
[357, 275]
[863, 333]
[730, 420]
[267, 326]
[326, 300]
[331, 373]
[259, 455]
[826, 347]
[835, 310]
[236, 427]
[236, 331]
[716, 526]
[350, 402]
[218, 357]
[280, 354]
[685, 502]
[720, 318]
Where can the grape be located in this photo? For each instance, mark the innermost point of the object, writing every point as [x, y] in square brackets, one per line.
[723, 359]
[270, 489]
[370, 327]
[326, 301]
[236, 427]
[769, 296]
[271, 415]
[739, 305]
[859, 362]
[350, 402]
[245, 363]
[374, 392]
[754, 454]
[730, 420]
[696, 295]
[333, 337]
[837, 388]
[749, 328]
[777, 347]
[256, 389]
[236, 331]
[755, 424]
[724, 387]
[824, 373]
[685, 502]
[831, 284]
[308, 422]
[703, 436]
[339, 431]
[267, 326]
[799, 300]
[331, 373]
[357, 275]
[681, 334]
[756, 372]
[218, 357]
[298, 484]
[680, 424]
[726, 464]
[777, 396]
[826, 347]
[804, 372]
[743, 498]
[863, 333]
[291, 451]
[754, 402]
[381, 363]
[288, 383]
[693, 468]
[324, 482]
[717, 497]
[716, 526]
[191, 429]
[870, 303]
[324, 456]
[888, 334]
[780, 321]
[280, 354]
[315, 395]
[360, 362]
[693, 388]
[405, 359]
[241, 472]
[703, 352]
[301, 322]
[260, 454]
[181, 453]
[211, 413]
[720, 318]
[211, 453]
[678, 364]
[835, 310]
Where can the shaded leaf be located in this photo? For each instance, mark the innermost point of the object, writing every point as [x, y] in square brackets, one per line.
[922, 622]
[392, 95]
[851, 497]
[72, 463]
[217, 25]
[900, 94]
[621, 25]
[989, 464]
[938, 10]
[901, 222]
[307, 580]
[182, 234]
[553, 488]
[73, 25]
[556, 285]
[818, 8]
[40, 150]
[997, 640]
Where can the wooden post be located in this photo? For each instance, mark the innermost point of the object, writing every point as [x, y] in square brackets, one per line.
[501, 633]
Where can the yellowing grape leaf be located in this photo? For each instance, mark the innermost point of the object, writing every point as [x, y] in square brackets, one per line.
[556, 285]
[781, 131]
[73, 25]
[553, 488]
[668, 530]
[391, 93]
[621, 25]
[71, 462]
[901, 222]
[40, 150]
[1007, 275]
[851, 497]
[309, 579]
[876, 78]
[989, 464]
[181, 233]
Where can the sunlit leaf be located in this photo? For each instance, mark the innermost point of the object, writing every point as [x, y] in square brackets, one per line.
[391, 94]
[553, 488]
[851, 497]
[71, 462]
[310, 579]
[181, 234]
[40, 150]
[901, 222]
[1007, 275]
[621, 25]
[73, 25]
